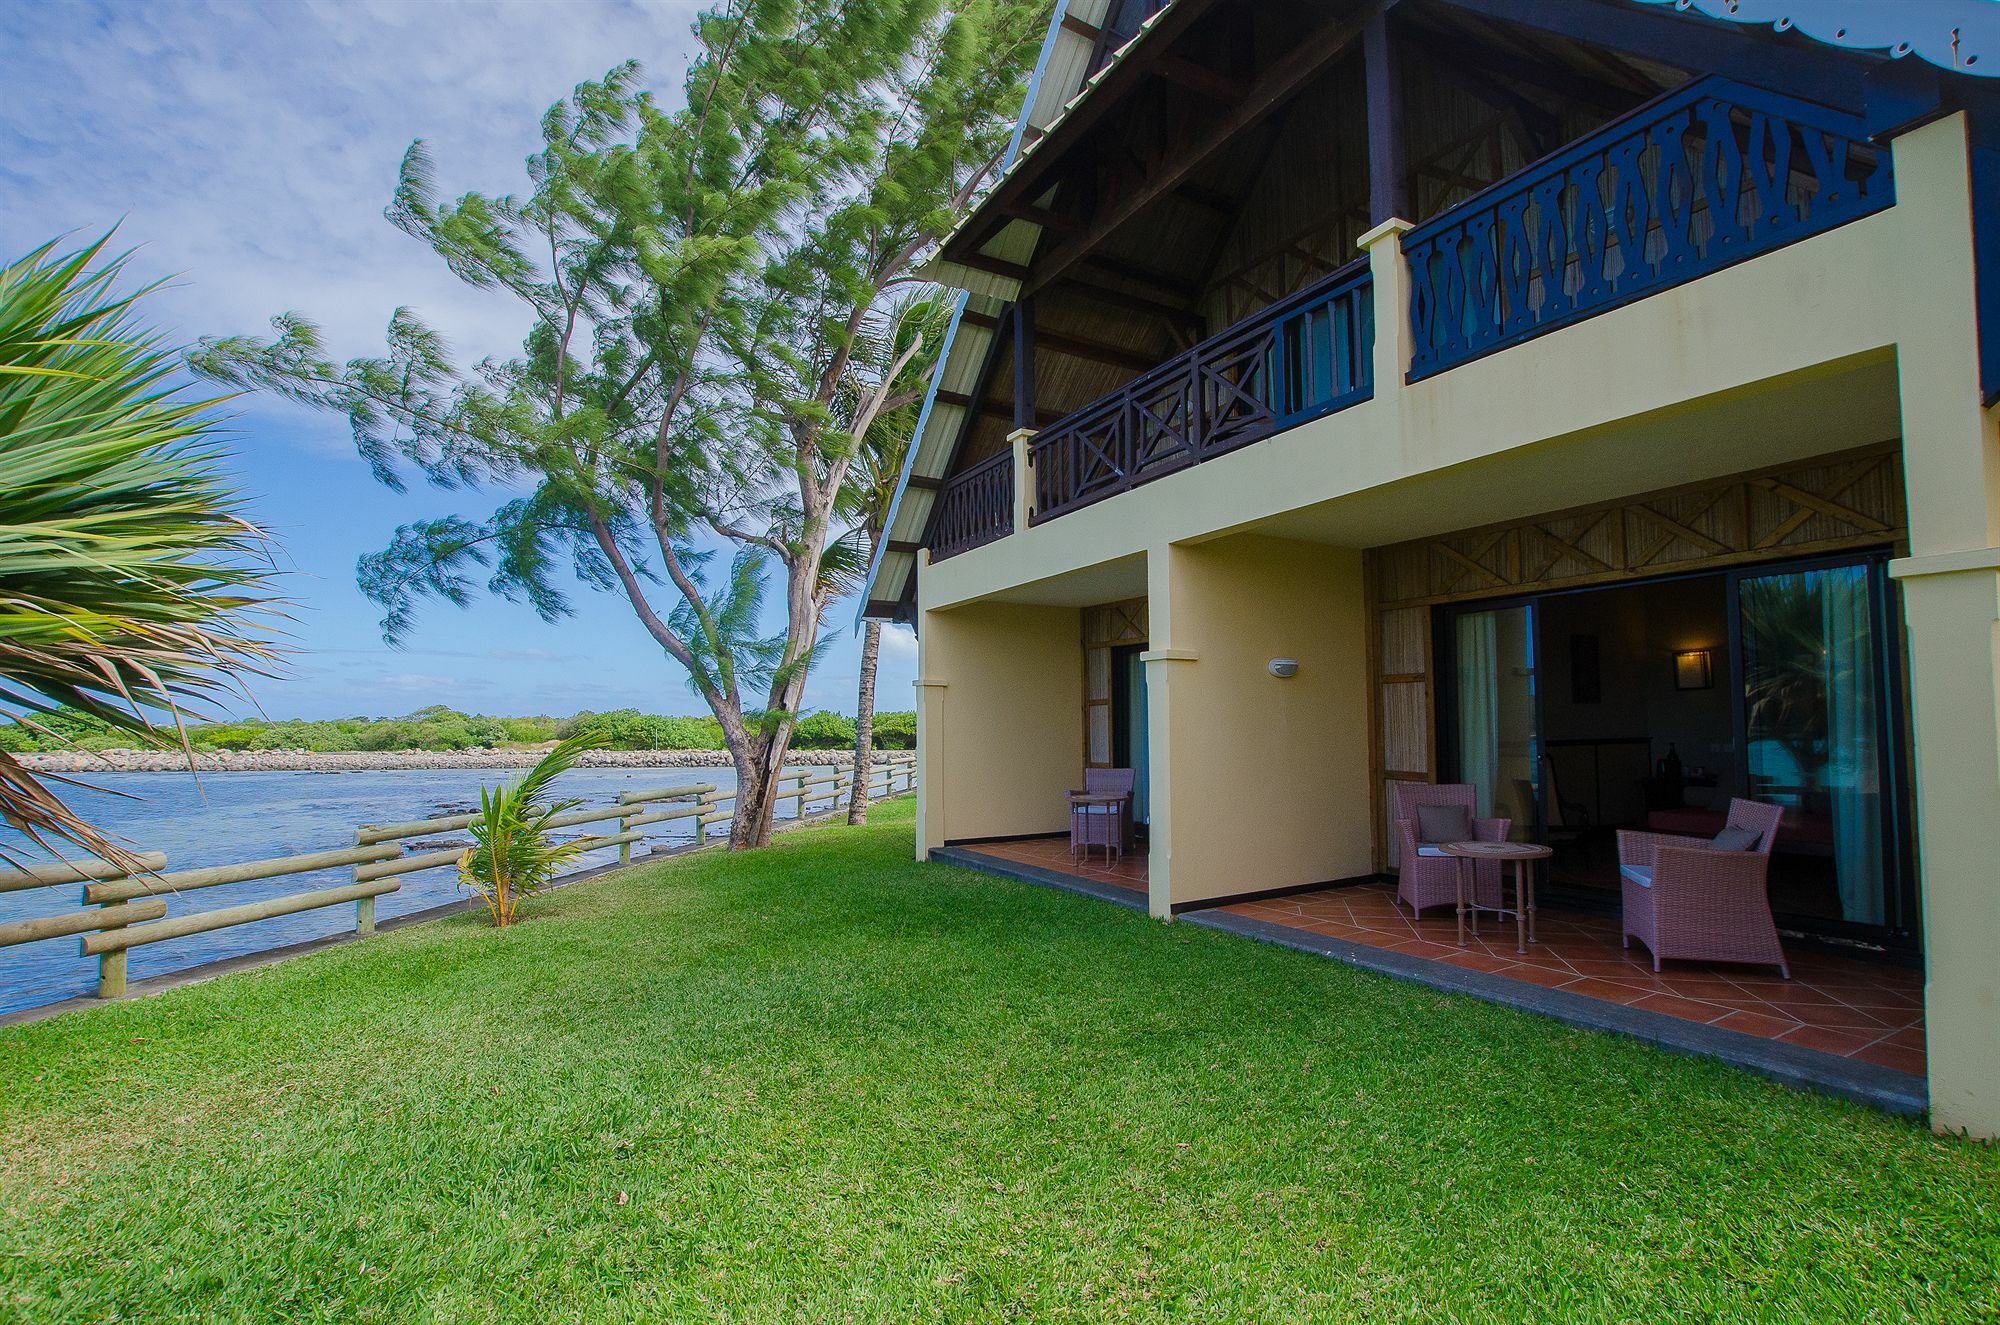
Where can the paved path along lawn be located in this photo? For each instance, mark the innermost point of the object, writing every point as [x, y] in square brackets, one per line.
[826, 1084]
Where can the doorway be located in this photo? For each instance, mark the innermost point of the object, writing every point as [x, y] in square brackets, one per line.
[1651, 704]
[1128, 725]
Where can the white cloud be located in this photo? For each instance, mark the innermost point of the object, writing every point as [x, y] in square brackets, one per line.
[251, 148]
[533, 655]
[247, 151]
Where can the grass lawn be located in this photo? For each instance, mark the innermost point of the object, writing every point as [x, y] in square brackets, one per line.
[826, 1084]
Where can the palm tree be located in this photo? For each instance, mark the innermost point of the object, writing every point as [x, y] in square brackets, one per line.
[130, 584]
[513, 854]
[880, 451]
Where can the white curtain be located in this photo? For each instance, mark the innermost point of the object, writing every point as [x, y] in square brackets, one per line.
[1853, 793]
[1479, 705]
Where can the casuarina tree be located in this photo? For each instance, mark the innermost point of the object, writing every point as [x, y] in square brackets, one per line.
[673, 430]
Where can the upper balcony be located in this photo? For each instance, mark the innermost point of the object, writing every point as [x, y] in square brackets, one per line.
[1550, 160]
[1702, 178]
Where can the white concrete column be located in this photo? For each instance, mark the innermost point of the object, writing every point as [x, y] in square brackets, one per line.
[930, 734]
[1024, 477]
[930, 765]
[1951, 602]
[1391, 276]
[1162, 661]
[1954, 640]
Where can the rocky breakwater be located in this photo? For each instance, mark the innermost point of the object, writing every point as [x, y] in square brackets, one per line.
[356, 761]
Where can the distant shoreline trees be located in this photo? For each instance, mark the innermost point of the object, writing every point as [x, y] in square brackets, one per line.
[438, 728]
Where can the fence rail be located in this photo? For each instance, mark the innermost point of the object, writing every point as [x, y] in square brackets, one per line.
[975, 507]
[129, 910]
[1306, 355]
[1683, 186]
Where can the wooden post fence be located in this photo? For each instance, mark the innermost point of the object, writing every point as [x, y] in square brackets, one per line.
[126, 910]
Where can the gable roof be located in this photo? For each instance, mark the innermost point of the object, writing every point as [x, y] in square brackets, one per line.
[1059, 80]
[1962, 36]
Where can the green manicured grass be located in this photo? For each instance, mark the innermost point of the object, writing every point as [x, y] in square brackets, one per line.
[826, 1084]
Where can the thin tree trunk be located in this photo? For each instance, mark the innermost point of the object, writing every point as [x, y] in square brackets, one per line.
[864, 723]
[758, 772]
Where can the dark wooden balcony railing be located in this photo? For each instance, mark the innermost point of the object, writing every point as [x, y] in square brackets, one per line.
[976, 506]
[1701, 178]
[1308, 355]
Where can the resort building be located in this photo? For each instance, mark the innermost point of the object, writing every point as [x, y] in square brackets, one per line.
[1586, 402]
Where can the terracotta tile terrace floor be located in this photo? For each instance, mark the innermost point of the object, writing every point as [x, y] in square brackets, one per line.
[1853, 1009]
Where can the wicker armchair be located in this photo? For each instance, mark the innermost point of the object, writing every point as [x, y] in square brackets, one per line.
[1095, 824]
[1635, 849]
[1427, 876]
[1705, 906]
[1686, 900]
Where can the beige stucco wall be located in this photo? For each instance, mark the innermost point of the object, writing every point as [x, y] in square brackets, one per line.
[999, 717]
[1623, 403]
[1258, 782]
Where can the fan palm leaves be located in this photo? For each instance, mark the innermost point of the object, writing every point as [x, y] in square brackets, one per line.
[514, 854]
[131, 586]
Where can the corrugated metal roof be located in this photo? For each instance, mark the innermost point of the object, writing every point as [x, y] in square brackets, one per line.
[1059, 73]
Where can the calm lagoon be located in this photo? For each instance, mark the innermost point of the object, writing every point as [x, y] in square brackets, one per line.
[228, 817]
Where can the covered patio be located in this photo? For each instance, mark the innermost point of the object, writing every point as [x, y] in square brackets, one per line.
[1863, 1020]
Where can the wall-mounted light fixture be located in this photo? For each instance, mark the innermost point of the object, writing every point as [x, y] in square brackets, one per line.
[1694, 669]
[1284, 667]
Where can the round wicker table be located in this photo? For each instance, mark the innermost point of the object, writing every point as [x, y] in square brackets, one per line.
[1525, 856]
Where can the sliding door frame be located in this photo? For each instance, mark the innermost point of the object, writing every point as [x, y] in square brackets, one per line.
[1901, 931]
[1901, 937]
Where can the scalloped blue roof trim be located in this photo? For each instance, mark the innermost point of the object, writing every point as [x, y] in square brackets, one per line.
[1960, 35]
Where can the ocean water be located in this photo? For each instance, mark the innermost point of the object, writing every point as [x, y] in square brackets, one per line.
[229, 817]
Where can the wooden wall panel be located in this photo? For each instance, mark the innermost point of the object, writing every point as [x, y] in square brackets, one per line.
[1406, 641]
[1406, 713]
[1853, 500]
[1307, 206]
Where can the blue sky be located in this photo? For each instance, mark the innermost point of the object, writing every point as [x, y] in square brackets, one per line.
[248, 150]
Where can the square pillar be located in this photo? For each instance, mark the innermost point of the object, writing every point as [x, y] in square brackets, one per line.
[1954, 643]
[1389, 273]
[930, 765]
[1260, 781]
[1951, 603]
[1024, 477]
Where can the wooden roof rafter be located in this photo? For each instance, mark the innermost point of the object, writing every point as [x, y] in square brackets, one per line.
[1273, 87]
[1071, 131]
[1479, 49]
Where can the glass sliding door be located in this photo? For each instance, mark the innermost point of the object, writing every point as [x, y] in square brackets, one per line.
[1128, 716]
[1493, 670]
[1814, 713]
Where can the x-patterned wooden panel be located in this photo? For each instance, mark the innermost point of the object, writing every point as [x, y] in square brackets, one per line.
[1853, 500]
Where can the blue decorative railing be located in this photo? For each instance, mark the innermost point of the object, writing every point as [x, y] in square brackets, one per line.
[1688, 184]
[976, 506]
[1307, 355]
